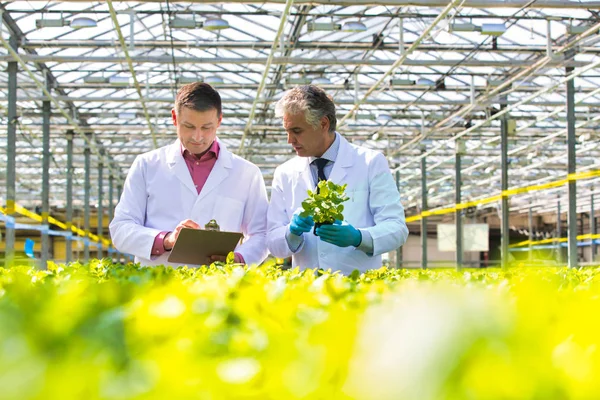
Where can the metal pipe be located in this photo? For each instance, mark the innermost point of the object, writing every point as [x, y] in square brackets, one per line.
[111, 207]
[100, 211]
[69, 197]
[592, 228]
[559, 232]
[571, 164]
[423, 209]
[45, 180]
[458, 213]
[11, 152]
[443, 62]
[530, 223]
[399, 249]
[86, 203]
[504, 186]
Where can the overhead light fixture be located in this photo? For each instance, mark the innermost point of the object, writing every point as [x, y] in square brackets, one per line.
[95, 79]
[577, 30]
[184, 23]
[466, 27]
[485, 29]
[127, 115]
[401, 82]
[321, 81]
[214, 80]
[523, 84]
[50, 23]
[323, 26]
[119, 80]
[298, 81]
[384, 117]
[76, 23]
[83, 22]
[425, 82]
[189, 79]
[494, 82]
[354, 26]
[493, 29]
[215, 24]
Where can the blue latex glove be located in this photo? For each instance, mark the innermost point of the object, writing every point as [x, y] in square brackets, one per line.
[300, 225]
[340, 235]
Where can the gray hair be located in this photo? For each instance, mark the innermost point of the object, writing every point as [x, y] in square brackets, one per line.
[310, 100]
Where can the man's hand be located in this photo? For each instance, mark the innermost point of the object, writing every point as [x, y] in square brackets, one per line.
[340, 235]
[171, 237]
[300, 225]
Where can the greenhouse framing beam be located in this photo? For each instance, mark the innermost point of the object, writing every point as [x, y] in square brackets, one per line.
[69, 197]
[45, 180]
[442, 62]
[418, 3]
[400, 61]
[11, 152]
[132, 71]
[504, 229]
[457, 200]
[571, 169]
[263, 80]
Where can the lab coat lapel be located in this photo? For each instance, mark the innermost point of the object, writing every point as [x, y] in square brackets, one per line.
[305, 179]
[219, 172]
[177, 165]
[344, 160]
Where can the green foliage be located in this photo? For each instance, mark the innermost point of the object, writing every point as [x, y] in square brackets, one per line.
[325, 206]
[224, 331]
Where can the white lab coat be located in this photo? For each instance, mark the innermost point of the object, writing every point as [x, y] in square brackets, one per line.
[159, 193]
[374, 206]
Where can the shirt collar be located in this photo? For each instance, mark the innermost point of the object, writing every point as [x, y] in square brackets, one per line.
[214, 149]
[331, 153]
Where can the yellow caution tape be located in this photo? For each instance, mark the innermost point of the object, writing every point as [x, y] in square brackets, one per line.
[39, 218]
[504, 194]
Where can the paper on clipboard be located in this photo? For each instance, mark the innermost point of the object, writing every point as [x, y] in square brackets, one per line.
[195, 246]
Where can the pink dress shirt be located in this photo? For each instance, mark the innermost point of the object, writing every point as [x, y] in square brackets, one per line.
[200, 167]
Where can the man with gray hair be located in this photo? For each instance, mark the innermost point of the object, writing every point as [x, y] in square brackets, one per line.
[374, 217]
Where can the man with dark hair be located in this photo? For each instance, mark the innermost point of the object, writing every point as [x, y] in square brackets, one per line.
[374, 218]
[188, 183]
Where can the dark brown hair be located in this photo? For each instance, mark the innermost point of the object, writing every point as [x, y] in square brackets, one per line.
[198, 96]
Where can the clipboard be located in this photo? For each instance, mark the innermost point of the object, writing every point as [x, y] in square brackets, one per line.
[195, 246]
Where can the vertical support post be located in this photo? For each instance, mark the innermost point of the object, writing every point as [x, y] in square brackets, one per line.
[69, 216]
[11, 153]
[423, 210]
[100, 209]
[530, 223]
[558, 232]
[457, 200]
[86, 203]
[571, 160]
[592, 227]
[399, 249]
[504, 184]
[111, 207]
[45, 179]
[401, 48]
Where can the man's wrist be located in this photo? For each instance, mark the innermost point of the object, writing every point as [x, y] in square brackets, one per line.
[358, 238]
[165, 242]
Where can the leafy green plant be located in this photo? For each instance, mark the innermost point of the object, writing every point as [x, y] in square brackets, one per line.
[325, 205]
